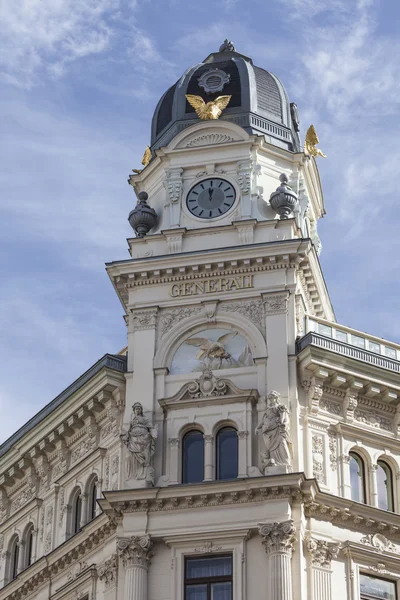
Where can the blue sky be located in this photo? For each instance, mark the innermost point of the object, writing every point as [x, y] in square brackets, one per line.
[79, 82]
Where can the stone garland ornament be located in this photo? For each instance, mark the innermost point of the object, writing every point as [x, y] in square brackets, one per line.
[274, 428]
[140, 442]
[135, 551]
[142, 218]
[284, 200]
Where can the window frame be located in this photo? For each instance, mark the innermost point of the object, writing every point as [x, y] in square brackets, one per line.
[14, 558]
[28, 547]
[184, 437]
[92, 499]
[218, 452]
[389, 476]
[361, 463]
[208, 581]
[374, 576]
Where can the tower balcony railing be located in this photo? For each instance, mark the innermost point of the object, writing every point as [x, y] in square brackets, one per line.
[350, 342]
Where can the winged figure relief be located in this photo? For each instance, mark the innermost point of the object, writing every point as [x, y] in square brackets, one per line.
[210, 350]
[310, 145]
[209, 110]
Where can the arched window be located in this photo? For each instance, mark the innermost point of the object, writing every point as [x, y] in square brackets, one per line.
[193, 457]
[384, 481]
[28, 548]
[357, 478]
[76, 512]
[92, 497]
[227, 453]
[14, 558]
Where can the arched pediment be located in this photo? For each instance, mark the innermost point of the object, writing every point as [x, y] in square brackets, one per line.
[207, 389]
[208, 133]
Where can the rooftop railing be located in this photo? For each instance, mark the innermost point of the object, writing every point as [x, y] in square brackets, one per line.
[350, 342]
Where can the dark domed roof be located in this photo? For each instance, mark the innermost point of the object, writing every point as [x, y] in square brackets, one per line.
[259, 102]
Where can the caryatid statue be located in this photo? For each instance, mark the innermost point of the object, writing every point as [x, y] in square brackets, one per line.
[274, 428]
[140, 441]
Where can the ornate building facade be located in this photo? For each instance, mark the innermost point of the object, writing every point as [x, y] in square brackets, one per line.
[245, 444]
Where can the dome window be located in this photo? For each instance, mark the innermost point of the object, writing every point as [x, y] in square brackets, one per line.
[213, 81]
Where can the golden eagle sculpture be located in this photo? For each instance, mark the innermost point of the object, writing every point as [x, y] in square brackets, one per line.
[145, 160]
[310, 145]
[209, 110]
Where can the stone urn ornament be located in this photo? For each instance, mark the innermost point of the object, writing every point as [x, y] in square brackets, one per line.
[142, 218]
[284, 200]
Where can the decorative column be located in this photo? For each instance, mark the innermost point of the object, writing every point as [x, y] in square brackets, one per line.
[173, 469]
[374, 485]
[208, 457]
[278, 541]
[21, 556]
[321, 555]
[242, 453]
[84, 509]
[135, 553]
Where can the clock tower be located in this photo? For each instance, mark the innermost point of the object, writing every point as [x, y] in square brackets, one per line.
[245, 445]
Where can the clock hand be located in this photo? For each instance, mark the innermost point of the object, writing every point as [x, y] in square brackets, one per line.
[210, 193]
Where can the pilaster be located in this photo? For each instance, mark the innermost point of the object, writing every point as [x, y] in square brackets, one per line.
[135, 553]
[276, 310]
[322, 553]
[278, 541]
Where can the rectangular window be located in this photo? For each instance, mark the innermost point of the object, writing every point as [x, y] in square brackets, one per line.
[375, 588]
[208, 578]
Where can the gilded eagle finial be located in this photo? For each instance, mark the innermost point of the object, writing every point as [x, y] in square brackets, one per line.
[147, 156]
[209, 110]
[310, 144]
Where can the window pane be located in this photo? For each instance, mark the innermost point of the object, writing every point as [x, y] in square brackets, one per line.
[390, 352]
[215, 566]
[374, 347]
[325, 330]
[29, 549]
[193, 457]
[227, 453]
[341, 336]
[221, 591]
[196, 592]
[385, 490]
[358, 341]
[357, 478]
[372, 587]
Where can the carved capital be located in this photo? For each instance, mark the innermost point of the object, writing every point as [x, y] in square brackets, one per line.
[275, 304]
[174, 442]
[143, 319]
[208, 438]
[135, 551]
[278, 537]
[322, 552]
[242, 434]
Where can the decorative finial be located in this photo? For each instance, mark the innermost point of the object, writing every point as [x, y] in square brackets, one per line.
[284, 199]
[227, 46]
[310, 145]
[142, 218]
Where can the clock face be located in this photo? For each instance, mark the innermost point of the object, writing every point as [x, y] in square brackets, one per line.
[211, 198]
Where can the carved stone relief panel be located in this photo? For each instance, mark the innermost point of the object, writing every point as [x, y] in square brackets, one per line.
[318, 458]
[212, 349]
[172, 316]
[251, 309]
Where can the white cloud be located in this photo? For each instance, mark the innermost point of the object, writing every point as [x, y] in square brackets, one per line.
[39, 36]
